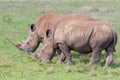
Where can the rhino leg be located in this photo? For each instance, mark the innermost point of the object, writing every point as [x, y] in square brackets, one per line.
[61, 58]
[95, 57]
[109, 58]
[66, 52]
[58, 52]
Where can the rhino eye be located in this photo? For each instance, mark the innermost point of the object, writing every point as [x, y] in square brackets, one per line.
[27, 42]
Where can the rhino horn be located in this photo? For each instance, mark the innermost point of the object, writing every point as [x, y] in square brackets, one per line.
[16, 45]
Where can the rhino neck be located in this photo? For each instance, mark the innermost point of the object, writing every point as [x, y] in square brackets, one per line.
[53, 33]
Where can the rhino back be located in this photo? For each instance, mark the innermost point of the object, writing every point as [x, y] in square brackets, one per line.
[47, 21]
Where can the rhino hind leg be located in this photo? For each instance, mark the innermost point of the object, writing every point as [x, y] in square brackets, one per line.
[109, 57]
[95, 57]
[110, 52]
[66, 52]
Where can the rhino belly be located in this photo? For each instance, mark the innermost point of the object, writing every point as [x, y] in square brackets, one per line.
[82, 48]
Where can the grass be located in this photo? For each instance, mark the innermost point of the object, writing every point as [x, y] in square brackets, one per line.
[14, 19]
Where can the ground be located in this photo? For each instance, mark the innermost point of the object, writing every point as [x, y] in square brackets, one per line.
[15, 16]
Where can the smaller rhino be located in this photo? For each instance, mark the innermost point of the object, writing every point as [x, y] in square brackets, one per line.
[81, 36]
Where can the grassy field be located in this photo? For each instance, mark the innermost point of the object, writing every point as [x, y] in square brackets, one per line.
[14, 19]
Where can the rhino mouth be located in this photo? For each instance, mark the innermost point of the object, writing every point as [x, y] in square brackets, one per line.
[26, 51]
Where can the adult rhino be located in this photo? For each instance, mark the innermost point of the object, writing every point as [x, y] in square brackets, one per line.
[38, 29]
[81, 36]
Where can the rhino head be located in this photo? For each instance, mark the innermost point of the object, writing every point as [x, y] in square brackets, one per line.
[31, 43]
[48, 50]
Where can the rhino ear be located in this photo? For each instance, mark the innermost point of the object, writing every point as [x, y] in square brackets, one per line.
[32, 27]
[48, 33]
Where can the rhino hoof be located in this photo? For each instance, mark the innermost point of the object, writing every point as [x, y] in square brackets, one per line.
[88, 65]
[69, 63]
[60, 62]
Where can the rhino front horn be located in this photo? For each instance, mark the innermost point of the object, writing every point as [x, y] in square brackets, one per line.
[16, 45]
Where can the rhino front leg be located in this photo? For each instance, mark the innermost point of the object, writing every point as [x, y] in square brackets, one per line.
[95, 57]
[66, 52]
[58, 52]
[61, 58]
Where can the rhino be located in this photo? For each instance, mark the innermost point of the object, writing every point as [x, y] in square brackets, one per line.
[81, 36]
[38, 29]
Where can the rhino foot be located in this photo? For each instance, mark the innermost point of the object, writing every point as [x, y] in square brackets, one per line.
[69, 63]
[60, 62]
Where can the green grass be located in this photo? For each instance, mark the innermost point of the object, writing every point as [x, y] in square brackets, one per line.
[14, 19]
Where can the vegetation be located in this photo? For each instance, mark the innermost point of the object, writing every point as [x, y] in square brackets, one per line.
[14, 19]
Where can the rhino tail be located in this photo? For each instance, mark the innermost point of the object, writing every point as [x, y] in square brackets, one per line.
[115, 37]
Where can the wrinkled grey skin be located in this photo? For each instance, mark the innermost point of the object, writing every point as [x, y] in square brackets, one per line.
[81, 36]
